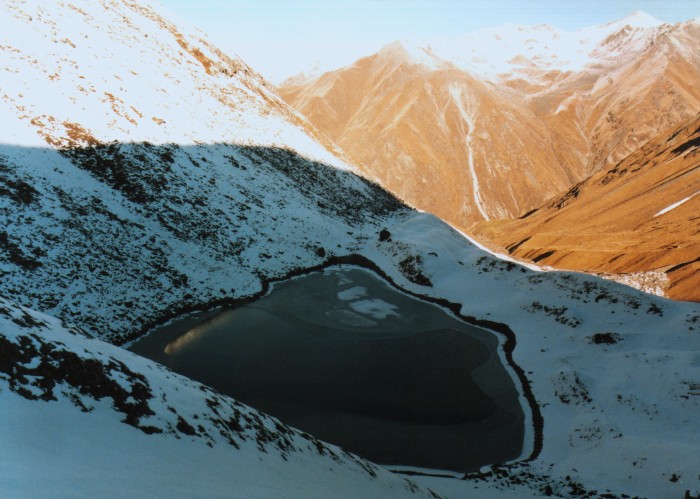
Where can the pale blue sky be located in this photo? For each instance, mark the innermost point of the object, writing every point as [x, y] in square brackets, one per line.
[279, 38]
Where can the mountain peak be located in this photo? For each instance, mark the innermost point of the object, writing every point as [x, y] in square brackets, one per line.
[302, 77]
[640, 19]
[407, 51]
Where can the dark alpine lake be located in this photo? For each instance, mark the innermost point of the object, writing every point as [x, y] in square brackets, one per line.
[345, 357]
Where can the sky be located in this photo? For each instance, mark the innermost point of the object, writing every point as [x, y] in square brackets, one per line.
[280, 38]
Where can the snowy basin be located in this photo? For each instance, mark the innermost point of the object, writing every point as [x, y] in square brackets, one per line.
[345, 357]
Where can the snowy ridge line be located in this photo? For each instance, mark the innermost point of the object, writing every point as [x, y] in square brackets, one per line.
[500, 256]
[513, 49]
[130, 99]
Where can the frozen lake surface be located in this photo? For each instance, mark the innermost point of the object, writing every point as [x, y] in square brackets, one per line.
[342, 355]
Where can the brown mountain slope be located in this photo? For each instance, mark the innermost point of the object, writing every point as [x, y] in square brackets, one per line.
[641, 215]
[471, 148]
[440, 139]
[619, 107]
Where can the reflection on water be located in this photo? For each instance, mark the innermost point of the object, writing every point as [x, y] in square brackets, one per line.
[196, 332]
[345, 357]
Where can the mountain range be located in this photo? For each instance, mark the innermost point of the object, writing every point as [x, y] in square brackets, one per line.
[494, 124]
[145, 174]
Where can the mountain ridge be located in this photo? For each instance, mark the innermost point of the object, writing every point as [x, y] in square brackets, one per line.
[476, 42]
[541, 128]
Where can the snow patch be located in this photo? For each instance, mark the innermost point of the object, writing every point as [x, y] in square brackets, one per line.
[654, 283]
[468, 108]
[352, 293]
[375, 308]
[676, 205]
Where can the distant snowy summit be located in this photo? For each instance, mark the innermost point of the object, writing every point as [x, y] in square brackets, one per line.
[495, 53]
[317, 69]
[638, 19]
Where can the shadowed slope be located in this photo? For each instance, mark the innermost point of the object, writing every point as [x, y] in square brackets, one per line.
[175, 217]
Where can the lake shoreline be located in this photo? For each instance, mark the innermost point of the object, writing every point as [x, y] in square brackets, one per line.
[356, 260]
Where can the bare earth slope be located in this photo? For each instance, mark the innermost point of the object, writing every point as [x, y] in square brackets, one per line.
[472, 135]
[436, 137]
[643, 215]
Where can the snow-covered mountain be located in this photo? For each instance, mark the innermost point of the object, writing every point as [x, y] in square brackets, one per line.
[530, 52]
[505, 51]
[139, 148]
[83, 418]
[143, 173]
[492, 124]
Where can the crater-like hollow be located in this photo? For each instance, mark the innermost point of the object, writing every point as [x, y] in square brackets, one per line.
[345, 357]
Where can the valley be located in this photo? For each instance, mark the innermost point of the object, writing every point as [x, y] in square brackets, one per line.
[638, 217]
[493, 125]
[174, 190]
